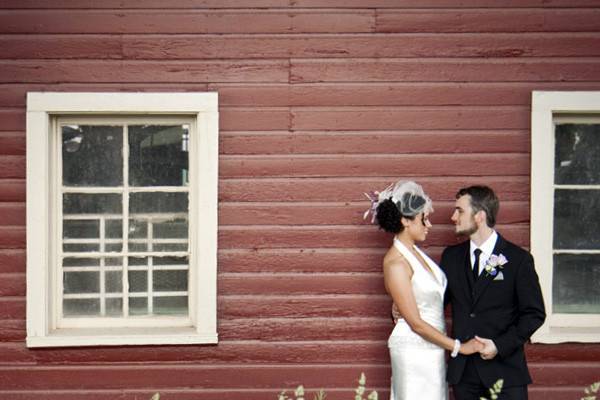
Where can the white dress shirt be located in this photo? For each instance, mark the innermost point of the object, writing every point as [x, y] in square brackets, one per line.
[487, 248]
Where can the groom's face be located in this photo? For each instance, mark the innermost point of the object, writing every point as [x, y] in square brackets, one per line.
[464, 217]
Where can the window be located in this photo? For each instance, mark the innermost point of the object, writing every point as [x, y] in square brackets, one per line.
[121, 218]
[565, 213]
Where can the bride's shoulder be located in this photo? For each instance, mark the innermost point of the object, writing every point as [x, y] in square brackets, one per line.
[394, 259]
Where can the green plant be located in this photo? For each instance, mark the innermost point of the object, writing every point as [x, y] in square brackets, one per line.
[321, 395]
[591, 391]
[495, 390]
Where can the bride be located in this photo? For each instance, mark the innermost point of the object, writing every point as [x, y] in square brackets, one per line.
[416, 285]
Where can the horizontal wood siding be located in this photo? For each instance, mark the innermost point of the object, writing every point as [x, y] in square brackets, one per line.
[320, 101]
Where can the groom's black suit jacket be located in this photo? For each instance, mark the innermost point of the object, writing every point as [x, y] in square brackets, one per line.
[507, 310]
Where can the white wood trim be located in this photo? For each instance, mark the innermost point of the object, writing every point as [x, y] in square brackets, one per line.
[122, 103]
[544, 106]
[43, 171]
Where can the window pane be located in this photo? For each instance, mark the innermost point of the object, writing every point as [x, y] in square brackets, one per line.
[575, 283]
[81, 282]
[114, 307]
[138, 281]
[85, 203]
[138, 306]
[576, 219]
[82, 228]
[576, 158]
[81, 307]
[159, 222]
[92, 155]
[176, 305]
[114, 281]
[155, 202]
[158, 155]
[170, 281]
[81, 262]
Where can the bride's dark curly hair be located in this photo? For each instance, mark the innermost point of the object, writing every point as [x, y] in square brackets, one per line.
[389, 217]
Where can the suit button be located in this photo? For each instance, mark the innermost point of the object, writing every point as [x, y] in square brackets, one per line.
[472, 315]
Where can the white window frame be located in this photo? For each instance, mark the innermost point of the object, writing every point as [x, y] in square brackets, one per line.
[546, 106]
[42, 295]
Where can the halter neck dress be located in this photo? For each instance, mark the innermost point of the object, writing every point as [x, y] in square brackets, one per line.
[419, 366]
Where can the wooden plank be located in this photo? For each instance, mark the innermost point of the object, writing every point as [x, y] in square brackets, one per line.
[254, 119]
[374, 165]
[448, 70]
[12, 167]
[321, 94]
[236, 376]
[12, 214]
[113, 71]
[12, 143]
[535, 393]
[12, 308]
[304, 260]
[12, 330]
[12, 190]
[482, 20]
[353, 188]
[261, 4]
[498, 45]
[198, 47]
[242, 352]
[377, 142]
[285, 284]
[12, 119]
[12, 260]
[338, 236]
[339, 213]
[12, 284]
[409, 118]
[12, 237]
[170, 21]
[61, 46]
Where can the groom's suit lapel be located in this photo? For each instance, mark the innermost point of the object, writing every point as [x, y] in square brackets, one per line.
[485, 278]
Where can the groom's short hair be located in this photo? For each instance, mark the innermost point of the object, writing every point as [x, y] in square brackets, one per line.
[483, 198]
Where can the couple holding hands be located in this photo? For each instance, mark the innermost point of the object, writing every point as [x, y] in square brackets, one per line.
[490, 283]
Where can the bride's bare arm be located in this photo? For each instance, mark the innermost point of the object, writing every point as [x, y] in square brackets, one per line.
[397, 276]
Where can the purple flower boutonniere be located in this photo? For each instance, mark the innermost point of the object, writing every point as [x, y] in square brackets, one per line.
[495, 262]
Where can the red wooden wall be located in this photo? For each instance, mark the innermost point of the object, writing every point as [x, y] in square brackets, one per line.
[320, 100]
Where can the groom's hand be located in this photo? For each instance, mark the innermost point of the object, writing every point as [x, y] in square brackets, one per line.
[489, 350]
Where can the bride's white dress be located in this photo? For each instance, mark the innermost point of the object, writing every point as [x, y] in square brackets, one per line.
[419, 366]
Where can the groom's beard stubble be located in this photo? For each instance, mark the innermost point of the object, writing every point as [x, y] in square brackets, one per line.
[468, 231]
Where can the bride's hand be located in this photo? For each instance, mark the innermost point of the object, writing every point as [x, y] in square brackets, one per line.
[471, 347]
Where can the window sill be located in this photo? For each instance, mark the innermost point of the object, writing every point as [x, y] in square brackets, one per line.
[122, 337]
[567, 334]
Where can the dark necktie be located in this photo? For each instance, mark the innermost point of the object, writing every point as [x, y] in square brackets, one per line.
[476, 264]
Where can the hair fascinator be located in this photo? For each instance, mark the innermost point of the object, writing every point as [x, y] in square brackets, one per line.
[408, 196]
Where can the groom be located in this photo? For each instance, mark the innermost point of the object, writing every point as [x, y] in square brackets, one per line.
[495, 296]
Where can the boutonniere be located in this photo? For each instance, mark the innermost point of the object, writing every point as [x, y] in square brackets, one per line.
[495, 262]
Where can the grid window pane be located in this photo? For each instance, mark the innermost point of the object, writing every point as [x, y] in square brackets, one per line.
[158, 155]
[175, 305]
[138, 281]
[114, 281]
[138, 306]
[576, 219]
[170, 281]
[81, 282]
[575, 284]
[81, 307]
[85, 228]
[92, 155]
[576, 158]
[114, 307]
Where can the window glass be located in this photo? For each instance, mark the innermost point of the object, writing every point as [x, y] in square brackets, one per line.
[577, 154]
[576, 287]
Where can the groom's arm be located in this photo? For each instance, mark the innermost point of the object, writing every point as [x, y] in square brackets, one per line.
[444, 267]
[531, 312]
